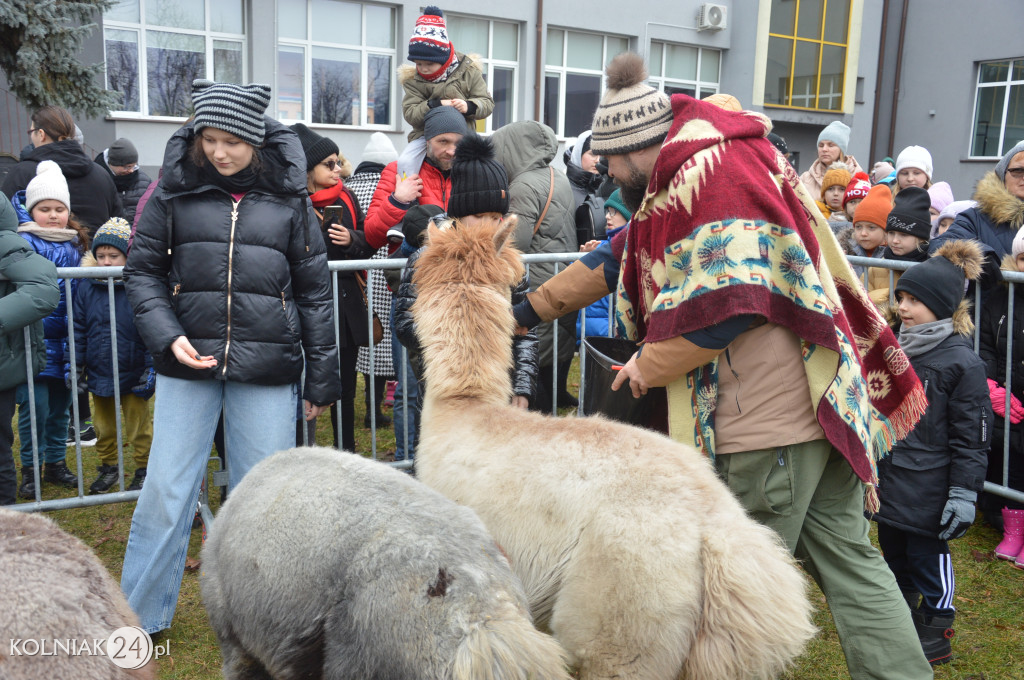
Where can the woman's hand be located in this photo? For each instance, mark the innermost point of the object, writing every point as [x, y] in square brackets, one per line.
[339, 235]
[407, 189]
[312, 410]
[187, 355]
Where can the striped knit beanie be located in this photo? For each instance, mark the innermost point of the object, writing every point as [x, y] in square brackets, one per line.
[632, 115]
[115, 232]
[237, 109]
[429, 41]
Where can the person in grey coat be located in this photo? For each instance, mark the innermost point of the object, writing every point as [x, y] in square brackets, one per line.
[28, 294]
[546, 225]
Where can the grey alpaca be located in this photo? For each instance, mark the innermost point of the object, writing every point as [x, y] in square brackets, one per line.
[57, 590]
[324, 564]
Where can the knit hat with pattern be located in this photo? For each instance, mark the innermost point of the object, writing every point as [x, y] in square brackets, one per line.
[316, 147]
[479, 182]
[114, 232]
[429, 41]
[632, 115]
[237, 109]
[857, 188]
[48, 184]
[875, 207]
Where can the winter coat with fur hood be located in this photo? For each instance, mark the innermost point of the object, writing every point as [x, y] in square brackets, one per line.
[993, 223]
[466, 82]
[949, 445]
[245, 281]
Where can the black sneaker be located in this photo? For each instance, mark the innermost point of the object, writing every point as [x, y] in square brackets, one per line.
[138, 480]
[58, 473]
[88, 435]
[107, 479]
[27, 489]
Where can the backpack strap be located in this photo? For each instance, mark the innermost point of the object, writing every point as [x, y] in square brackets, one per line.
[551, 191]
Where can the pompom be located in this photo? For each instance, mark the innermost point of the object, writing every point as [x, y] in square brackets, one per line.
[964, 254]
[474, 148]
[430, 9]
[861, 176]
[626, 70]
[47, 166]
[838, 165]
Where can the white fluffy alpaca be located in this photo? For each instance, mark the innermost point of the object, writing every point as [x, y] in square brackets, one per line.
[325, 564]
[632, 551]
[56, 589]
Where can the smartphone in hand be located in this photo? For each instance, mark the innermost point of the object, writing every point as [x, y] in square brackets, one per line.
[333, 214]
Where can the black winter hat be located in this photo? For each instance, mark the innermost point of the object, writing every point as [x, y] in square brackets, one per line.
[122, 152]
[938, 282]
[414, 224]
[479, 183]
[911, 214]
[316, 147]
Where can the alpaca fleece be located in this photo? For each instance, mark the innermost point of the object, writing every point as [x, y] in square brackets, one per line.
[631, 550]
[324, 564]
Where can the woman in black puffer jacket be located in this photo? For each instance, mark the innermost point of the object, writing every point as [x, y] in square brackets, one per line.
[228, 280]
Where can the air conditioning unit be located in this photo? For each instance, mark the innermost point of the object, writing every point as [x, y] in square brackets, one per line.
[712, 17]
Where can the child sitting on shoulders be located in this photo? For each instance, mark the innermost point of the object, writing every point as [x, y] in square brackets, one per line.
[93, 348]
[439, 76]
[930, 481]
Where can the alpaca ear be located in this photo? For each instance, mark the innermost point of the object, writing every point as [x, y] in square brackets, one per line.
[506, 232]
[432, 231]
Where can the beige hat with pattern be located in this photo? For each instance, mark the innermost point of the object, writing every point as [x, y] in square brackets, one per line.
[632, 115]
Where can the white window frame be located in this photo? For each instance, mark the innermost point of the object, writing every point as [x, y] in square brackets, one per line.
[140, 28]
[365, 51]
[488, 63]
[978, 86]
[563, 70]
[699, 86]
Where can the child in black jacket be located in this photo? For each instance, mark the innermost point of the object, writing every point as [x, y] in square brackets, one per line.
[930, 482]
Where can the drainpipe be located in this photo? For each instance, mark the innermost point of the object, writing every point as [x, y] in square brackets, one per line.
[899, 69]
[539, 72]
[878, 85]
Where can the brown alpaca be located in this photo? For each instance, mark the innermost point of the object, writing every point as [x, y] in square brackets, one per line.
[632, 552]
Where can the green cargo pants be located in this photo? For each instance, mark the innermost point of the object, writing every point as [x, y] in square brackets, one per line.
[810, 496]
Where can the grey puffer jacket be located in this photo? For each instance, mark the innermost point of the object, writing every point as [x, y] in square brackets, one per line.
[245, 281]
[524, 347]
[526, 149]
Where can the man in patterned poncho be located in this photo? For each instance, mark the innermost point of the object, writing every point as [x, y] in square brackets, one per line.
[775, 362]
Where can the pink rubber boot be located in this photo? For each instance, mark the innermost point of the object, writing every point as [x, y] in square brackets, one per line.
[1013, 536]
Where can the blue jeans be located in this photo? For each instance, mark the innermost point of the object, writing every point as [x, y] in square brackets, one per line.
[258, 420]
[53, 401]
[404, 419]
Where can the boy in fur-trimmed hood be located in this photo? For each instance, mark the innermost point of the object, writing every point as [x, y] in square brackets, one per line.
[929, 484]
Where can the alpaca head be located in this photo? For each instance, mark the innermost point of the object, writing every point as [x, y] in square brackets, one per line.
[479, 252]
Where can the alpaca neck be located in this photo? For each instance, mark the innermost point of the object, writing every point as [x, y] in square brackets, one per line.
[466, 335]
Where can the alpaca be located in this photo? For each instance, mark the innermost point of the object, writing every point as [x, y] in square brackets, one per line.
[324, 564]
[633, 553]
[57, 597]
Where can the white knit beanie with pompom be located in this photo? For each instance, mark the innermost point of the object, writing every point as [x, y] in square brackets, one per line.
[48, 184]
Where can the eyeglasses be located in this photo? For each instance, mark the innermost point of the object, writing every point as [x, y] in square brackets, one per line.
[31, 130]
[1016, 173]
[330, 164]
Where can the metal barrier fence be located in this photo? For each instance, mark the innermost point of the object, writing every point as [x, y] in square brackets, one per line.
[219, 477]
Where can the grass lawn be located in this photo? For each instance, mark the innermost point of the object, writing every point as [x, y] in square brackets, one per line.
[989, 643]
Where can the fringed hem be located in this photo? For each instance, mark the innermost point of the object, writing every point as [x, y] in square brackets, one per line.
[905, 416]
[871, 502]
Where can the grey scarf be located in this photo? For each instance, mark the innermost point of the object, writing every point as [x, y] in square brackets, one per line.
[923, 337]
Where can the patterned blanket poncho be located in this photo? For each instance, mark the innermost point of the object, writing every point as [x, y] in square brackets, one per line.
[726, 228]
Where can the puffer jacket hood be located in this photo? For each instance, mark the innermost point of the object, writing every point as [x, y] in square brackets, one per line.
[1000, 205]
[67, 154]
[524, 145]
[279, 176]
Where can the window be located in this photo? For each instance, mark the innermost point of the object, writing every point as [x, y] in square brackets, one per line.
[683, 69]
[998, 108]
[807, 43]
[155, 49]
[574, 77]
[497, 45]
[335, 62]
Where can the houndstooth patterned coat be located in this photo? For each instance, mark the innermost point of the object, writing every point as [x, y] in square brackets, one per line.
[363, 185]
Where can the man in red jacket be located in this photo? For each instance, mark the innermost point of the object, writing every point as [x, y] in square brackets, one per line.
[443, 128]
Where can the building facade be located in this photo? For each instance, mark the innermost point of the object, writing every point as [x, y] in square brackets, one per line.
[899, 72]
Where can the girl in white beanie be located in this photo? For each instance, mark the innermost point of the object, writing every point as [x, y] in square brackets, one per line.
[56, 235]
[913, 168]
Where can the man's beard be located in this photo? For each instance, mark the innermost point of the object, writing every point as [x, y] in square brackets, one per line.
[442, 165]
[633, 188]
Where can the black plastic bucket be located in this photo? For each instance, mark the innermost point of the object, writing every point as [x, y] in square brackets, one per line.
[601, 356]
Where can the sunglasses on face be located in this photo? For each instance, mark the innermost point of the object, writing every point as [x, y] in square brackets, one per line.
[330, 164]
